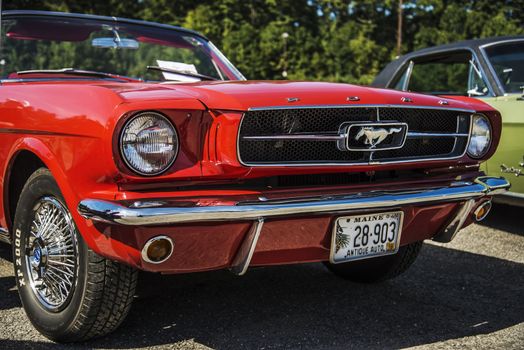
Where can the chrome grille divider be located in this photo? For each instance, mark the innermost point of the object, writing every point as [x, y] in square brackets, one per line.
[331, 137]
[415, 135]
[308, 137]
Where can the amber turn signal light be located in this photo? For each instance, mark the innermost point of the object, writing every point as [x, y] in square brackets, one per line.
[157, 249]
[482, 211]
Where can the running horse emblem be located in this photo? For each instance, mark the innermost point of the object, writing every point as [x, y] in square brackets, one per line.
[374, 137]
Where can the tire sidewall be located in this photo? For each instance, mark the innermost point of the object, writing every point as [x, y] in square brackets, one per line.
[55, 325]
[378, 269]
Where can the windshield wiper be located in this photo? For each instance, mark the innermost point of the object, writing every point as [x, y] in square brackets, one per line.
[187, 74]
[74, 71]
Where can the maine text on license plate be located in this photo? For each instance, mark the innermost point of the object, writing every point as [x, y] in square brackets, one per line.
[365, 236]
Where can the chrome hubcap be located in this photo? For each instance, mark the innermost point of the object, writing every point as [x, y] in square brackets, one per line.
[52, 254]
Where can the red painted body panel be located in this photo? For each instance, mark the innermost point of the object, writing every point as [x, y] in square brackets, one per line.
[70, 126]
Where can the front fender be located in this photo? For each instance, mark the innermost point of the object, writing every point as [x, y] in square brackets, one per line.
[71, 191]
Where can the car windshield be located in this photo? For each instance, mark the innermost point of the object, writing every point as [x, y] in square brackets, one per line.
[75, 47]
[446, 73]
[507, 60]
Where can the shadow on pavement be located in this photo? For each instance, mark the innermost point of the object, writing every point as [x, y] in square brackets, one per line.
[9, 296]
[447, 294]
[5, 252]
[506, 218]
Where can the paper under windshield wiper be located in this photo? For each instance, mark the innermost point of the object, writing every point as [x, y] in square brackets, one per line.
[187, 74]
[74, 71]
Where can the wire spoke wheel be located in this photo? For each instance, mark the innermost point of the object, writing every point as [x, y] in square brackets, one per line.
[52, 254]
[68, 291]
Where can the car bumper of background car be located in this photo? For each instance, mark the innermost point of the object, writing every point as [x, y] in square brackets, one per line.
[262, 231]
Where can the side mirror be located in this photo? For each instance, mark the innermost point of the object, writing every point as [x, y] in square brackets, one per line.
[475, 92]
[115, 43]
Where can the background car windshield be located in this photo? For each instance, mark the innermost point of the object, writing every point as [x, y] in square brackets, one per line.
[36, 43]
[451, 73]
[508, 61]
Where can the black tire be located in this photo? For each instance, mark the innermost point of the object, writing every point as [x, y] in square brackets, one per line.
[379, 269]
[102, 292]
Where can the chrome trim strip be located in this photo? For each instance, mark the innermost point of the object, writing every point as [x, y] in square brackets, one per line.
[309, 137]
[510, 198]
[433, 134]
[405, 85]
[341, 164]
[247, 248]
[514, 195]
[342, 138]
[494, 185]
[328, 137]
[117, 213]
[456, 223]
[501, 42]
[271, 108]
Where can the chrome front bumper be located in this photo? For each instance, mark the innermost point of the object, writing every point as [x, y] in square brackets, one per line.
[158, 213]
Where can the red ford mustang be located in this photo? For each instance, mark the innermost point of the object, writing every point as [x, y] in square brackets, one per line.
[130, 145]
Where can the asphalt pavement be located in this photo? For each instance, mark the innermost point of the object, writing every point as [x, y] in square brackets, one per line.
[466, 294]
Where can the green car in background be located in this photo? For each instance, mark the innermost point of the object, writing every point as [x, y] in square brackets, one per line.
[491, 70]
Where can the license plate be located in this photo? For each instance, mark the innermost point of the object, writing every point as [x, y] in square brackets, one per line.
[365, 236]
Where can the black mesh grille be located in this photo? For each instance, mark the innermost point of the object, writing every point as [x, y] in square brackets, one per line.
[328, 121]
[286, 121]
[427, 120]
[295, 152]
[418, 148]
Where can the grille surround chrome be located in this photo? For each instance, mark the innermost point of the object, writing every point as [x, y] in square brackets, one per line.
[338, 138]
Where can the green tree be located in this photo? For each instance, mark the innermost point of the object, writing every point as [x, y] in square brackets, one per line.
[334, 40]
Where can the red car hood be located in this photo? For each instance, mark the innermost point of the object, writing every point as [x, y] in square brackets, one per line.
[242, 95]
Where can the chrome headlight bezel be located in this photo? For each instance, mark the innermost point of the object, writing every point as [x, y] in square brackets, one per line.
[175, 140]
[474, 133]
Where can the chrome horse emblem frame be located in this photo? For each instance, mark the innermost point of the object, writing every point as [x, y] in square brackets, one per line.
[375, 136]
[370, 137]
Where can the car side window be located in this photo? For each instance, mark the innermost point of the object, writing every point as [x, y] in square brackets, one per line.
[507, 59]
[450, 73]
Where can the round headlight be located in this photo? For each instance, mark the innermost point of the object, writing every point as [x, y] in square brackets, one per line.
[480, 138]
[149, 143]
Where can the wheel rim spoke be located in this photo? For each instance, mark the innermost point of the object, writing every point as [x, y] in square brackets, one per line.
[52, 254]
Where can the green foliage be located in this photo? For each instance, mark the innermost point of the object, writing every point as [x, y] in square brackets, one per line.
[446, 78]
[334, 40]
